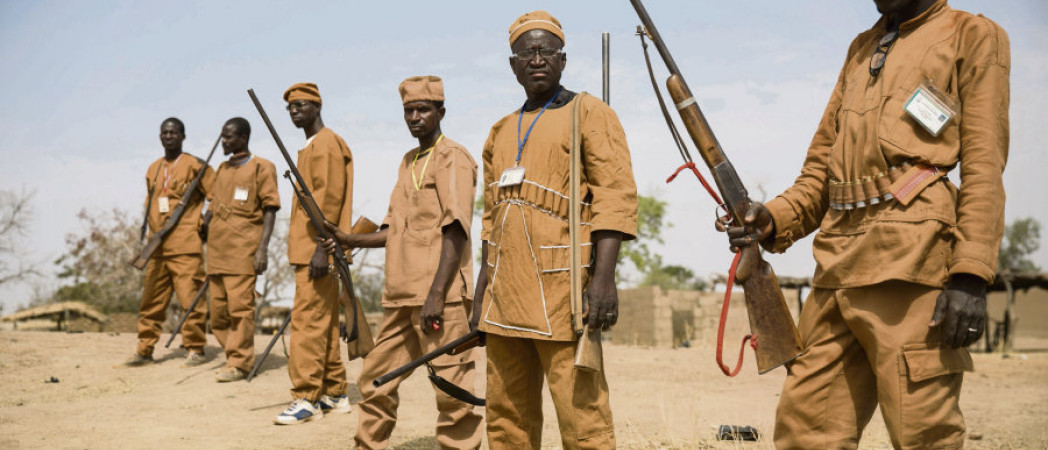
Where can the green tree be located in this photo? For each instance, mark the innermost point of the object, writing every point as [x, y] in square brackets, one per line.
[651, 215]
[1021, 238]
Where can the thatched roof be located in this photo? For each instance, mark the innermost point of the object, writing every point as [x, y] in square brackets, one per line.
[74, 309]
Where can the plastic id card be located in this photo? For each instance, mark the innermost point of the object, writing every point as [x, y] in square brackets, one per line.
[512, 177]
[930, 108]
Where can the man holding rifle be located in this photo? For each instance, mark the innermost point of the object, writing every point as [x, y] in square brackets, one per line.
[318, 376]
[177, 264]
[239, 220]
[904, 255]
[429, 268]
[523, 283]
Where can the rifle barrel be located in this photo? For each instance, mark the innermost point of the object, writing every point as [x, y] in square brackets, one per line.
[265, 353]
[185, 314]
[649, 25]
[412, 365]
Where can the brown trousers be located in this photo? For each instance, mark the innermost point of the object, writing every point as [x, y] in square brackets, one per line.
[314, 363]
[401, 340]
[233, 317]
[183, 274]
[868, 346]
[516, 369]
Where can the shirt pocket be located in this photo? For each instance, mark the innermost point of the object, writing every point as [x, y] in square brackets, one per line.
[425, 209]
[901, 136]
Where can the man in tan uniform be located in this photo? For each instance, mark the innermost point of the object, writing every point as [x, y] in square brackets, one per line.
[318, 376]
[429, 267]
[177, 265]
[523, 282]
[244, 203]
[903, 254]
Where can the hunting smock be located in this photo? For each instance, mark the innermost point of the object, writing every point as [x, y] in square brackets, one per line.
[170, 179]
[447, 180]
[867, 146]
[239, 198]
[326, 165]
[526, 226]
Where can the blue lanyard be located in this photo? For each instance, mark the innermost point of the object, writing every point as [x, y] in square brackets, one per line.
[520, 118]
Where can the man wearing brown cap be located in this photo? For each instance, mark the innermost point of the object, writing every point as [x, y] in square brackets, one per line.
[904, 255]
[244, 203]
[523, 282]
[178, 264]
[429, 267]
[318, 377]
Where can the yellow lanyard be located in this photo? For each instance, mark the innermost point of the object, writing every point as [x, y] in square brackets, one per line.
[418, 181]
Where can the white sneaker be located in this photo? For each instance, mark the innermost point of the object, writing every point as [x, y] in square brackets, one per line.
[301, 410]
[338, 404]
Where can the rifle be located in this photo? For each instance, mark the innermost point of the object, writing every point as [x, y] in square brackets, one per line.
[199, 295]
[158, 238]
[466, 342]
[265, 353]
[769, 317]
[316, 217]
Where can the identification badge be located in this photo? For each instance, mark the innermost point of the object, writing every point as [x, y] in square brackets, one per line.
[511, 177]
[240, 194]
[163, 205]
[930, 108]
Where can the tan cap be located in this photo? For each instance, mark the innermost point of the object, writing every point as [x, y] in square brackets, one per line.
[426, 87]
[535, 20]
[303, 91]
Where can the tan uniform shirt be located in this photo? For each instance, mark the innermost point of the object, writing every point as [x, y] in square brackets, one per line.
[326, 165]
[239, 196]
[526, 226]
[865, 131]
[448, 179]
[170, 180]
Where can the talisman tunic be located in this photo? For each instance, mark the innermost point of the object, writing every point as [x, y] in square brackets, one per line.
[526, 226]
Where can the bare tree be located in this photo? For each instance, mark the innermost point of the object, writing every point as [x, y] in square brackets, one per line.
[279, 276]
[15, 215]
[95, 262]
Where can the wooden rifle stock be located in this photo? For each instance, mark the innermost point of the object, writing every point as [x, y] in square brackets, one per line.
[158, 238]
[316, 217]
[770, 318]
[364, 342]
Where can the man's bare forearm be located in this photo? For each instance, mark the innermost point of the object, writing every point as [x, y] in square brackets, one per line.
[452, 244]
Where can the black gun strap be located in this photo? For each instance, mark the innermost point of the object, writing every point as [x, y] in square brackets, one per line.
[452, 390]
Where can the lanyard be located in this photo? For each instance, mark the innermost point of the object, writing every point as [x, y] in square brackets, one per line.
[520, 118]
[422, 176]
[167, 175]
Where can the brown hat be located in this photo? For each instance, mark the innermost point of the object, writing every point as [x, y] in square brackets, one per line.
[303, 91]
[427, 87]
[535, 20]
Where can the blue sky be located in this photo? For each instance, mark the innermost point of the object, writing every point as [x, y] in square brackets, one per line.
[86, 85]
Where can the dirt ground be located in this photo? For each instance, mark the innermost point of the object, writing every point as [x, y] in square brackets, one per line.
[661, 398]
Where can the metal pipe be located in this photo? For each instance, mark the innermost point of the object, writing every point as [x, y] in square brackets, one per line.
[606, 40]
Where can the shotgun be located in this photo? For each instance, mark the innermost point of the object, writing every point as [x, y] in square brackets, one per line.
[769, 317]
[316, 217]
[185, 314]
[463, 343]
[158, 238]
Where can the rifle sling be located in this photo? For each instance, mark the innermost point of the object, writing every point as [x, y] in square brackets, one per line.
[452, 390]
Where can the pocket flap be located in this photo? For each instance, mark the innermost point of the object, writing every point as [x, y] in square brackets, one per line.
[923, 363]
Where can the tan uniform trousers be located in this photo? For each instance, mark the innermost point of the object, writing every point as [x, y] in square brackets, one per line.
[184, 274]
[868, 346]
[399, 341]
[516, 368]
[313, 361]
[233, 317]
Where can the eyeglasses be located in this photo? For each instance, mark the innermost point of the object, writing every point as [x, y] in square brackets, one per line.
[529, 53]
[298, 104]
[880, 54]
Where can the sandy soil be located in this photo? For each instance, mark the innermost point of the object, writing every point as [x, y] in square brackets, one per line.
[661, 398]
